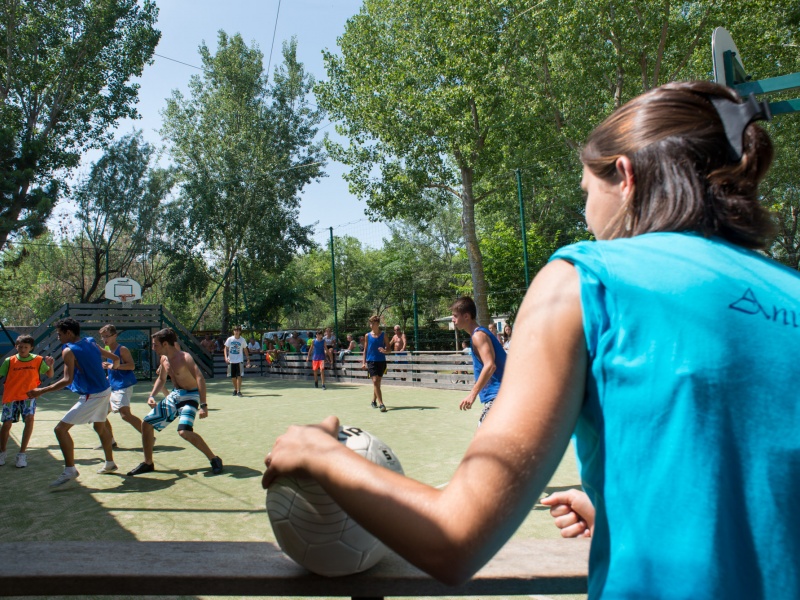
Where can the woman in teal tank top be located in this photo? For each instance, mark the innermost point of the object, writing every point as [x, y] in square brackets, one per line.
[669, 348]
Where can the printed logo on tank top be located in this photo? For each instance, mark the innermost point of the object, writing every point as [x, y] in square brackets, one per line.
[749, 305]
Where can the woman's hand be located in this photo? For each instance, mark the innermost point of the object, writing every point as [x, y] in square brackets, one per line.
[573, 513]
[295, 450]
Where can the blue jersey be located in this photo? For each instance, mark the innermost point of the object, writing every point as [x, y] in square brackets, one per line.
[688, 436]
[120, 380]
[319, 350]
[373, 343]
[90, 376]
[489, 391]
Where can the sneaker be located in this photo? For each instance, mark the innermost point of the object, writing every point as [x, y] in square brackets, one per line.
[108, 468]
[240, 395]
[374, 404]
[216, 465]
[383, 408]
[234, 393]
[22, 460]
[64, 478]
[316, 383]
[141, 469]
[323, 387]
[2, 458]
[113, 445]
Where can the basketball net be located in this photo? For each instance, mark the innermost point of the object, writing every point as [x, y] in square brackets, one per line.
[124, 299]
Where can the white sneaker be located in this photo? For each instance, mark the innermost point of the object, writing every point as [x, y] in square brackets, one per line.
[2, 458]
[22, 460]
[107, 468]
[65, 477]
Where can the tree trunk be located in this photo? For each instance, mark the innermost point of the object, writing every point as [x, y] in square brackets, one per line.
[480, 291]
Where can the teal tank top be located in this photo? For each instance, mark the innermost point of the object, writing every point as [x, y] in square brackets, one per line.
[689, 436]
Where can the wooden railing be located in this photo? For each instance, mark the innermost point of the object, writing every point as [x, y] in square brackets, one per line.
[149, 317]
[432, 370]
[522, 567]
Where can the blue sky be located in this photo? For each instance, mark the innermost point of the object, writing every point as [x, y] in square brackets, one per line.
[316, 24]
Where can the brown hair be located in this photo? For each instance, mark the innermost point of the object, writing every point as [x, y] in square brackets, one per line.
[109, 329]
[25, 339]
[374, 319]
[166, 336]
[463, 305]
[685, 178]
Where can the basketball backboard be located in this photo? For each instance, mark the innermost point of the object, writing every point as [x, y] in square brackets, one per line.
[123, 289]
[728, 67]
[729, 71]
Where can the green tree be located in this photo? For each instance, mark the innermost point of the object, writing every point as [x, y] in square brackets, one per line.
[28, 293]
[118, 218]
[425, 93]
[65, 71]
[243, 150]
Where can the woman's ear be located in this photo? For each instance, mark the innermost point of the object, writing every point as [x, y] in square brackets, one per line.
[627, 179]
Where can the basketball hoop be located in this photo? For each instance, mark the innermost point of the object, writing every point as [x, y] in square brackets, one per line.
[125, 300]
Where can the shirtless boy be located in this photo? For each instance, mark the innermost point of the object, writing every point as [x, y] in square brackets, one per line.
[183, 403]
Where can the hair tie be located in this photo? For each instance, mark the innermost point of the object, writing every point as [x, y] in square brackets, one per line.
[736, 116]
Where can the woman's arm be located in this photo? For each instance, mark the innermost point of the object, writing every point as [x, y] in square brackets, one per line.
[452, 532]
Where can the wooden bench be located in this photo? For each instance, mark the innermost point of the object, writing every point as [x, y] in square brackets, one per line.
[522, 567]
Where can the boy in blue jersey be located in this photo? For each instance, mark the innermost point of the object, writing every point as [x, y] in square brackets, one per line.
[374, 359]
[121, 380]
[488, 356]
[316, 354]
[83, 374]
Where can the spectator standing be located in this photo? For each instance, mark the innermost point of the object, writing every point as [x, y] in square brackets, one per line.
[506, 337]
[235, 353]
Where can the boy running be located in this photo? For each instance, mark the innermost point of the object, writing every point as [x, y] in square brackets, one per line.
[23, 372]
[84, 375]
[316, 354]
[122, 381]
[183, 403]
[235, 350]
[488, 356]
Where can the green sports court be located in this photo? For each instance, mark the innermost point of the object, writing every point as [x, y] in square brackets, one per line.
[183, 501]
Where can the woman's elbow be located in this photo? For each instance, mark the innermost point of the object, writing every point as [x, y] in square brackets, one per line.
[453, 563]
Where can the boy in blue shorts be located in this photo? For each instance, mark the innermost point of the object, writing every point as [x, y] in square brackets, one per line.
[23, 372]
[187, 399]
[316, 354]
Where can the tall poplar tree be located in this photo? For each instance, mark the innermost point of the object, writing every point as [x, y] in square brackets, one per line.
[243, 149]
[426, 93]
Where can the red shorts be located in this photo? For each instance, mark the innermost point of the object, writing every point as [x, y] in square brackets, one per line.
[317, 365]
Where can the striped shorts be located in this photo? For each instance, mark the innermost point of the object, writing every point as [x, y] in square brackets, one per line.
[179, 404]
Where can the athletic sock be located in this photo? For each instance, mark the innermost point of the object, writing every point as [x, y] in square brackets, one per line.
[70, 470]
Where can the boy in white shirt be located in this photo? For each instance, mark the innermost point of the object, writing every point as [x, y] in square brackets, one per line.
[235, 352]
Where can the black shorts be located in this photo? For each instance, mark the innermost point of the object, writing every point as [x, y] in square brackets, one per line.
[376, 368]
[236, 369]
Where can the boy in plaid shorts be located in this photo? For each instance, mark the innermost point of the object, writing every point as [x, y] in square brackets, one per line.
[184, 403]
